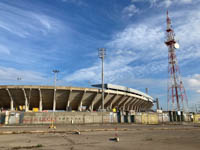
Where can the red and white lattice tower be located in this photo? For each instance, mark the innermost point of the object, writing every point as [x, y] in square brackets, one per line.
[177, 99]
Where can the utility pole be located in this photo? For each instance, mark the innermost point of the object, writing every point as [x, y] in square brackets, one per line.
[54, 99]
[102, 53]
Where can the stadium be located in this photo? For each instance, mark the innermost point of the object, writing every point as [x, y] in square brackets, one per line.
[61, 98]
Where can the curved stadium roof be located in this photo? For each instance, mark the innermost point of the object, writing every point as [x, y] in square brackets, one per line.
[72, 98]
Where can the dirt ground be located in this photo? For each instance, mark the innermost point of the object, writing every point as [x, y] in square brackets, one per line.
[100, 137]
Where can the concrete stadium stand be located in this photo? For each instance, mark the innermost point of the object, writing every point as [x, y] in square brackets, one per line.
[69, 98]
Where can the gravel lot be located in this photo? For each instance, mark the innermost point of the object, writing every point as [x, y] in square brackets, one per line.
[100, 137]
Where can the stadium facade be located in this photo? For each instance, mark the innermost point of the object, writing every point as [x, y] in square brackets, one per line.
[61, 98]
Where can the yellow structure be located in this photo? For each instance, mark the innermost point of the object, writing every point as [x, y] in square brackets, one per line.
[196, 118]
[35, 109]
[22, 107]
[114, 110]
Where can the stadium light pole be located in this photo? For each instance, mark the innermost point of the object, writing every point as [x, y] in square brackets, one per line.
[54, 98]
[102, 53]
[19, 79]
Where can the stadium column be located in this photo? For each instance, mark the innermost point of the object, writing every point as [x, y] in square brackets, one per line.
[91, 106]
[128, 105]
[110, 106]
[11, 100]
[122, 102]
[54, 100]
[94, 102]
[80, 103]
[114, 100]
[127, 102]
[105, 100]
[119, 100]
[26, 101]
[68, 99]
[110, 102]
[139, 105]
[135, 104]
[40, 102]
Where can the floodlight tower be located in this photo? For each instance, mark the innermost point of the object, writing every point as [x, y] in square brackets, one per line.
[54, 98]
[176, 90]
[52, 126]
[102, 53]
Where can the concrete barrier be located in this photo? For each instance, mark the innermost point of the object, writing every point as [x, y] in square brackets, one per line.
[150, 118]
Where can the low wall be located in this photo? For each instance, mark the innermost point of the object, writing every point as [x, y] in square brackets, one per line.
[157, 118]
[148, 118]
[58, 117]
[89, 117]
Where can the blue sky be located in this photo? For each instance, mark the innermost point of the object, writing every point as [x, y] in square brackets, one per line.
[38, 36]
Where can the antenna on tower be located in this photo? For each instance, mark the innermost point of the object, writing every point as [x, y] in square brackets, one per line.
[176, 91]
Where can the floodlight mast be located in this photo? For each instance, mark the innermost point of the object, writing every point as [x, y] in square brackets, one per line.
[54, 99]
[102, 53]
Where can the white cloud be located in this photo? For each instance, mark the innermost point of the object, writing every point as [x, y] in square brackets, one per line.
[10, 75]
[26, 23]
[84, 74]
[138, 37]
[166, 3]
[192, 85]
[194, 82]
[115, 68]
[13, 29]
[44, 20]
[130, 10]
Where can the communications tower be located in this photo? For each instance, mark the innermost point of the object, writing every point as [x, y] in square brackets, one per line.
[177, 99]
